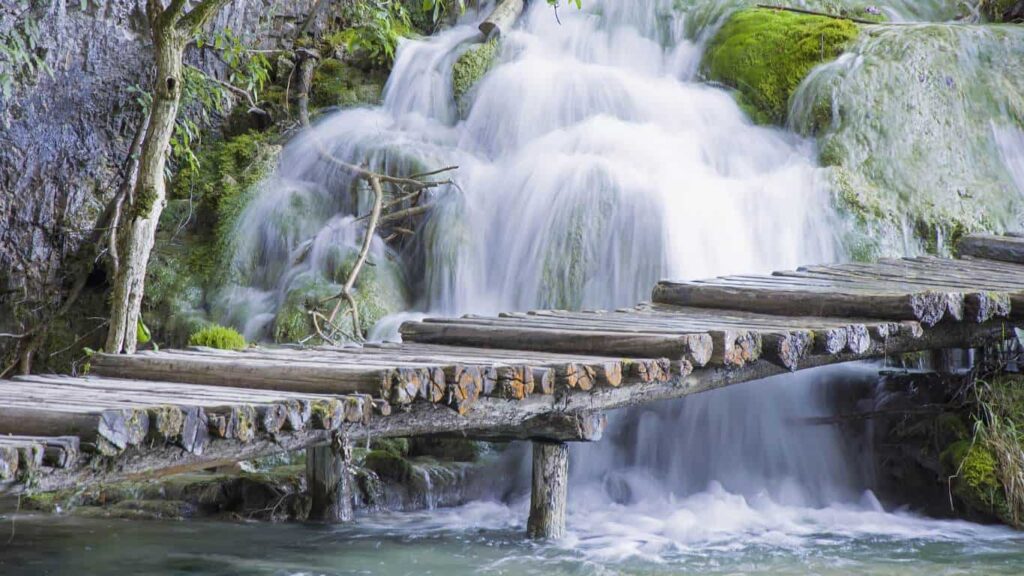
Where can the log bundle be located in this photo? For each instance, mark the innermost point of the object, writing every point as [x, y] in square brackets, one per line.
[544, 375]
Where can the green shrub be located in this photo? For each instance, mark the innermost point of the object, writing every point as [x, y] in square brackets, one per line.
[218, 337]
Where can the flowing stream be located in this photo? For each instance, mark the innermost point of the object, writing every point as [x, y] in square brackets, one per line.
[592, 163]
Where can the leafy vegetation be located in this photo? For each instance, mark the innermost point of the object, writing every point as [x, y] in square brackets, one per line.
[378, 26]
[21, 57]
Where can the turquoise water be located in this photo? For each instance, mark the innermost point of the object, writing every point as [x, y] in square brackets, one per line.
[486, 538]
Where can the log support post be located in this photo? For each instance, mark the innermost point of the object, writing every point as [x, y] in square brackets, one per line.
[329, 477]
[550, 490]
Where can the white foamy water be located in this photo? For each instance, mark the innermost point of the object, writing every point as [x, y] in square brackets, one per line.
[591, 165]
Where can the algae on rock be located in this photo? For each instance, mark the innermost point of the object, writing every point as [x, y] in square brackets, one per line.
[765, 54]
[469, 69]
[913, 132]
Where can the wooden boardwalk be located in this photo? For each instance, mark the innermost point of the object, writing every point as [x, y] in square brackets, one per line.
[546, 375]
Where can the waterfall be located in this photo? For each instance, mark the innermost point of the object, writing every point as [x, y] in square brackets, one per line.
[591, 163]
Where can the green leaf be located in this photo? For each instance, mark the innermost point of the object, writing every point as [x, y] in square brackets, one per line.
[142, 334]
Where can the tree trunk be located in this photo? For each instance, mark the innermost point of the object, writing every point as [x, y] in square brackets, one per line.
[147, 202]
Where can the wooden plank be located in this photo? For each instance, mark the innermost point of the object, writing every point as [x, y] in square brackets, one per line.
[111, 430]
[695, 348]
[55, 452]
[255, 373]
[992, 247]
[454, 356]
[926, 307]
[977, 306]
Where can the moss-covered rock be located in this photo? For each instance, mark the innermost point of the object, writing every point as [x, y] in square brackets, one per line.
[218, 337]
[378, 292]
[336, 83]
[396, 446]
[470, 67]
[976, 484]
[1000, 10]
[915, 133]
[451, 449]
[765, 54]
[388, 466]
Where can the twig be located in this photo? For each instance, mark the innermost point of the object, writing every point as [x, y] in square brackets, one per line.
[407, 213]
[365, 174]
[80, 339]
[371, 228]
[815, 13]
[433, 172]
[401, 199]
[229, 86]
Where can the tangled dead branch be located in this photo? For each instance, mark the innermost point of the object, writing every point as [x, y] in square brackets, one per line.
[408, 189]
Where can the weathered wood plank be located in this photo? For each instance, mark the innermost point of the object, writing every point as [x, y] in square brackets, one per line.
[256, 373]
[992, 247]
[926, 307]
[695, 348]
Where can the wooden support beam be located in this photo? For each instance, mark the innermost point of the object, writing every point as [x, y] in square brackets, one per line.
[550, 490]
[329, 478]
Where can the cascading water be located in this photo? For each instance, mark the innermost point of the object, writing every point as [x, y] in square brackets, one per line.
[591, 164]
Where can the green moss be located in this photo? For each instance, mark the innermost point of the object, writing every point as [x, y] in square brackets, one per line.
[451, 449]
[388, 466]
[470, 67]
[336, 83]
[218, 337]
[765, 54]
[977, 482]
[194, 245]
[397, 446]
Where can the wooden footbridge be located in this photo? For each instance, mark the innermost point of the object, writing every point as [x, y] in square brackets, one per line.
[546, 376]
